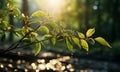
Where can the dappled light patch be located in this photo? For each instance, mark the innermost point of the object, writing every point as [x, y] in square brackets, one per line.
[55, 62]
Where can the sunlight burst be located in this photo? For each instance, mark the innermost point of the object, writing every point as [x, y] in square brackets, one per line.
[54, 3]
[51, 6]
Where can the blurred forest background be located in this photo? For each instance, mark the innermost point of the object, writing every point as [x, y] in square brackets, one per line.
[103, 15]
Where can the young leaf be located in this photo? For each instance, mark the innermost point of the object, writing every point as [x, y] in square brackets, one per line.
[53, 27]
[76, 41]
[10, 6]
[17, 34]
[69, 45]
[44, 29]
[46, 36]
[90, 32]
[34, 33]
[37, 48]
[84, 44]
[38, 14]
[102, 41]
[53, 41]
[81, 35]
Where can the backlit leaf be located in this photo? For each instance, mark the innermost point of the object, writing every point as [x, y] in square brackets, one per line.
[102, 41]
[34, 33]
[10, 6]
[17, 34]
[46, 36]
[81, 35]
[53, 41]
[37, 48]
[27, 40]
[52, 25]
[44, 29]
[90, 32]
[69, 45]
[76, 41]
[38, 14]
[69, 32]
[84, 44]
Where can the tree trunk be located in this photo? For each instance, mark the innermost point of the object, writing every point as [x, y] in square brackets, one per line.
[11, 22]
[87, 14]
[25, 7]
[115, 24]
[99, 16]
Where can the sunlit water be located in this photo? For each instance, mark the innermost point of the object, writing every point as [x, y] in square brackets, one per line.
[58, 64]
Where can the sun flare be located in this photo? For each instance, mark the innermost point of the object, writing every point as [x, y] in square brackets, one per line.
[51, 6]
[54, 3]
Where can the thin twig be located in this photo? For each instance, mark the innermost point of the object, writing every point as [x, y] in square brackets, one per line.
[32, 43]
[15, 45]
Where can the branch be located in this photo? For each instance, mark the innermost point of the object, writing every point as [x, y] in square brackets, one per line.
[16, 44]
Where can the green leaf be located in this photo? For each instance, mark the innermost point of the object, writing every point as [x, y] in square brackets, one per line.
[69, 45]
[52, 25]
[10, 6]
[34, 33]
[71, 32]
[102, 41]
[5, 23]
[28, 40]
[65, 34]
[16, 11]
[81, 35]
[63, 24]
[84, 44]
[44, 29]
[76, 41]
[46, 36]
[90, 32]
[17, 34]
[38, 14]
[53, 41]
[20, 31]
[37, 48]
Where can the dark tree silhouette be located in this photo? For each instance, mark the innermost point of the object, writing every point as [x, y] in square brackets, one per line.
[116, 18]
[25, 7]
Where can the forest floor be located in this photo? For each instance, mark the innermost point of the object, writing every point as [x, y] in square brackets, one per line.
[57, 61]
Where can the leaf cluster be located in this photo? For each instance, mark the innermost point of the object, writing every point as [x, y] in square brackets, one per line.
[40, 27]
